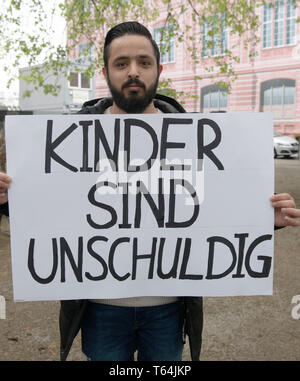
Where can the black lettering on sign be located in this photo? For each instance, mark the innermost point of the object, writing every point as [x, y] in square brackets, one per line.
[173, 272]
[154, 261]
[185, 260]
[31, 266]
[85, 145]
[172, 207]
[136, 257]
[50, 146]
[111, 258]
[110, 209]
[112, 155]
[165, 144]
[267, 261]
[207, 150]
[125, 191]
[129, 123]
[158, 211]
[65, 251]
[254, 274]
[98, 258]
[211, 257]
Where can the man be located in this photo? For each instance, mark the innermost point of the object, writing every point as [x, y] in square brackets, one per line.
[155, 326]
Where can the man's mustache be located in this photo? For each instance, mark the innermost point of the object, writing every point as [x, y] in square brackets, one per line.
[133, 82]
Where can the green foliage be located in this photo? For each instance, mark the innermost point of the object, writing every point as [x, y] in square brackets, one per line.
[89, 20]
[166, 88]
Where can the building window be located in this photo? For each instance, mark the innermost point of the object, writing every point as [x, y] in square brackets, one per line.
[213, 98]
[79, 81]
[83, 49]
[267, 26]
[290, 23]
[279, 23]
[166, 48]
[85, 53]
[214, 43]
[278, 96]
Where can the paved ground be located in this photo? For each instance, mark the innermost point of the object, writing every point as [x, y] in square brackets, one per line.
[235, 328]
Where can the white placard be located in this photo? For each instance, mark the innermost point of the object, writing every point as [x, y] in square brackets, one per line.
[112, 206]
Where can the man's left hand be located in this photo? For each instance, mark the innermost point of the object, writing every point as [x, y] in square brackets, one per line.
[286, 213]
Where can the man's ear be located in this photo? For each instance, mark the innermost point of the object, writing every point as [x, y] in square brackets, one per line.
[104, 73]
[160, 69]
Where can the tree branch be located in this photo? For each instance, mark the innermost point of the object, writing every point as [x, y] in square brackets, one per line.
[194, 9]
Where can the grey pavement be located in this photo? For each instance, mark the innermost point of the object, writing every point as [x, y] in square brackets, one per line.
[235, 328]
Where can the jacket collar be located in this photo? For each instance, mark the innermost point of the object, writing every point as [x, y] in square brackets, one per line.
[162, 102]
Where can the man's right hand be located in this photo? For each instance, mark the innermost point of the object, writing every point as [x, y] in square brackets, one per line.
[5, 181]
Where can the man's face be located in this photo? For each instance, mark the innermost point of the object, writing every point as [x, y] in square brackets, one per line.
[132, 74]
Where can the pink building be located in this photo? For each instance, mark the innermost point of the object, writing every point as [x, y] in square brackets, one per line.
[269, 81]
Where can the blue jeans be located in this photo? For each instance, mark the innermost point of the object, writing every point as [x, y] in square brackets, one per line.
[112, 333]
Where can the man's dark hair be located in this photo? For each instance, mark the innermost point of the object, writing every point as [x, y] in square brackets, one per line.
[129, 27]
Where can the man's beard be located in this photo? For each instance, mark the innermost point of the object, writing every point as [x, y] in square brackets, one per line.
[134, 103]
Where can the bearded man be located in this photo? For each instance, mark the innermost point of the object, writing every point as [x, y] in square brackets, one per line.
[113, 329]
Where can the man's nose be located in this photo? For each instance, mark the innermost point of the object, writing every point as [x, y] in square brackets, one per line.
[133, 70]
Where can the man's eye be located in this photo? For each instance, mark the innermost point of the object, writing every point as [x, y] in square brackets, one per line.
[121, 64]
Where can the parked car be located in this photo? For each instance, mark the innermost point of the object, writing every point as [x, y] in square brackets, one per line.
[285, 145]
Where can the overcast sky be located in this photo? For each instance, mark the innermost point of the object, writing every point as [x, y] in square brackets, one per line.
[58, 37]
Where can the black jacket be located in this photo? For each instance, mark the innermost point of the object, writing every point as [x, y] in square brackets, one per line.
[191, 307]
